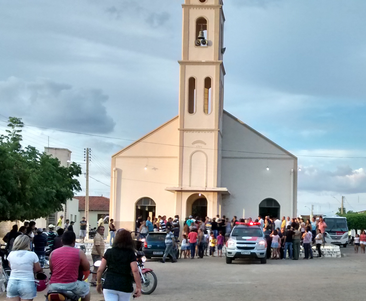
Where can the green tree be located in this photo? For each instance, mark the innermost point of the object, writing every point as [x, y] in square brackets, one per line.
[32, 184]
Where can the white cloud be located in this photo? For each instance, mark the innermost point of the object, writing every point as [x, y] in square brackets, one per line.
[46, 103]
[342, 180]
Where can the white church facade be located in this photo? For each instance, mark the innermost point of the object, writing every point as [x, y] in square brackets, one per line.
[204, 161]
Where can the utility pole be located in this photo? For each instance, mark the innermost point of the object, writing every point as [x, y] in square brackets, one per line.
[342, 205]
[312, 212]
[87, 155]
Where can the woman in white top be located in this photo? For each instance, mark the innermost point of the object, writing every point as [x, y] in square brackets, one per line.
[356, 243]
[319, 242]
[23, 264]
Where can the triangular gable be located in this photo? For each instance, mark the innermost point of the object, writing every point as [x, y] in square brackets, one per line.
[145, 136]
[259, 134]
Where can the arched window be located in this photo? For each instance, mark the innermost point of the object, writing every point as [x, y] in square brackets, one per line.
[208, 96]
[201, 32]
[191, 95]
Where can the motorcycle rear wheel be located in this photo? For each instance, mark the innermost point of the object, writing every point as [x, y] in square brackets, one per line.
[150, 285]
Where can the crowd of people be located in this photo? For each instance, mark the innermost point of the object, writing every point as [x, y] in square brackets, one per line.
[200, 237]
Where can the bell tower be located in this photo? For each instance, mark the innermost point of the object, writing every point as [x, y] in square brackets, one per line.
[201, 97]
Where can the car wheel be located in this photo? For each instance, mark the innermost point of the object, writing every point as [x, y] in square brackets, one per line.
[229, 260]
[263, 260]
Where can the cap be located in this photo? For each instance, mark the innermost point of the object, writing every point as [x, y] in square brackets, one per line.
[51, 226]
[39, 230]
[72, 222]
[190, 216]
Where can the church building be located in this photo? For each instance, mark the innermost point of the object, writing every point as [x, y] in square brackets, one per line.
[204, 161]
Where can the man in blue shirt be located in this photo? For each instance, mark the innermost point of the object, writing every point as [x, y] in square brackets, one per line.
[149, 224]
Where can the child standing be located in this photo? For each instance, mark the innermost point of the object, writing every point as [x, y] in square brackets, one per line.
[356, 243]
[274, 244]
[319, 242]
[220, 244]
[206, 240]
[184, 247]
[212, 244]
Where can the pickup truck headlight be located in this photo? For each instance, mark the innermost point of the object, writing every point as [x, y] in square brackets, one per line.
[231, 244]
[262, 244]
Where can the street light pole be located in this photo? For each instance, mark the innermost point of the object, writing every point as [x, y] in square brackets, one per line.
[87, 193]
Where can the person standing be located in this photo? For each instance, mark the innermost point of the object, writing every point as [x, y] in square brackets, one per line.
[149, 224]
[192, 236]
[71, 226]
[97, 250]
[112, 231]
[307, 237]
[59, 222]
[66, 225]
[288, 242]
[122, 270]
[322, 226]
[296, 240]
[82, 233]
[319, 241]
[51, 236]
[176, 226]
[169, 245]
[283, 224]
[40, 242]
[200, 243]
[23, 264]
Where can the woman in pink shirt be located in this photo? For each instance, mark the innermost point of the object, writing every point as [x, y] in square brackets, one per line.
[321, 226]
[363, 241]
[192, 236]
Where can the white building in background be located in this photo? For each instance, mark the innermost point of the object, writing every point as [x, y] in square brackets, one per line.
[71, 208]
[204, 161]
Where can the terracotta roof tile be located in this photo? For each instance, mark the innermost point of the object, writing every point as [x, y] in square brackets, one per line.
[96, 203]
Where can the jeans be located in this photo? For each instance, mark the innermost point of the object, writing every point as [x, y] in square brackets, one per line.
[112, 236]
[169, 251]
[296, 244]
[193, 248]
[216, 232]
[79, 288]
[113, 295]
[21, 288]
[200, 250]
[288, 246]
[41, 256]
[306, 249]
[318, 249]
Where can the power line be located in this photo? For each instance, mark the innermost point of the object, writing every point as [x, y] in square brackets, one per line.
[175, 145]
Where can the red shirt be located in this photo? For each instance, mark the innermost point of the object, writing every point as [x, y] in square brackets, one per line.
[65, 265]
[192, 236]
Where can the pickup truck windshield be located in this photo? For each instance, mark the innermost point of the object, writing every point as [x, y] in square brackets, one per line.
[251, 232]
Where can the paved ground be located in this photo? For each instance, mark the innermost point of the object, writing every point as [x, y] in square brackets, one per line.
[212, 279]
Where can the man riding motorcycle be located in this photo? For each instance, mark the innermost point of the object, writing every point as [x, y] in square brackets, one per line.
[65, 265]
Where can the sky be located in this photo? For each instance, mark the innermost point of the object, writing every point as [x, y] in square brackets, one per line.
[101, 74]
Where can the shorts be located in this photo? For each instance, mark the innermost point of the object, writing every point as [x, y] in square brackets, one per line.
[79, 288]
[82, 233]
[274, 245]
[21, 288]
[184, 248]
[357, 244]
[219, 247]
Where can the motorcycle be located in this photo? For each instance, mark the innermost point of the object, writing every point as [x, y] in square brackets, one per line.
[149, 281]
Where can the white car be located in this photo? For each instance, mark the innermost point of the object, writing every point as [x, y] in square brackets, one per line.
[246, 241]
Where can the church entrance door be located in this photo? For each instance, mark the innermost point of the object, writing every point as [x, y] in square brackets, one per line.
[269, 207]
[199, 208]
[145, 207]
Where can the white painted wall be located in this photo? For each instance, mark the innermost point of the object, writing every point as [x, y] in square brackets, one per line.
[246, 156]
